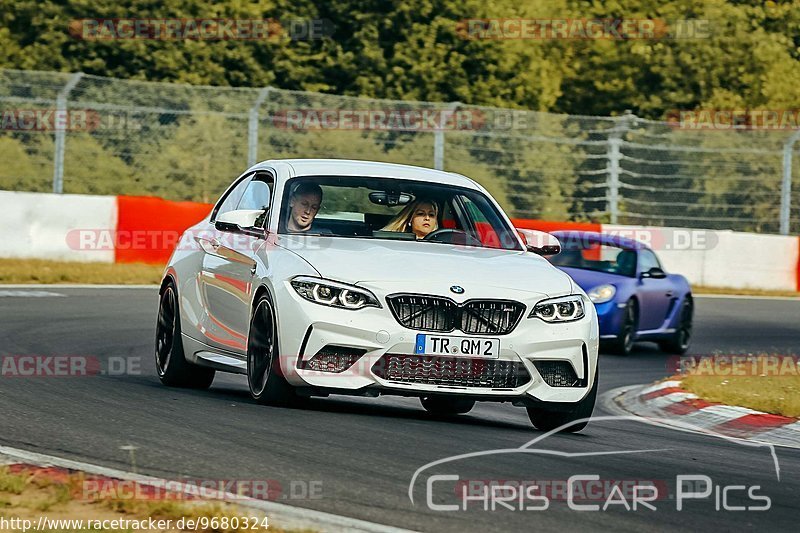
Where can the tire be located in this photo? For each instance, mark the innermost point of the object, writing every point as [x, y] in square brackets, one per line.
[171, 365]
[440, 405]
[679, 342]
[545, 420]
[264, 375]
[623, 344]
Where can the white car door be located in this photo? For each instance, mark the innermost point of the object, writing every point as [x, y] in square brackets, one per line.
[228, 268]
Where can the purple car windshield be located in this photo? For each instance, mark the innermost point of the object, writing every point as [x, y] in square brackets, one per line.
[599, 257]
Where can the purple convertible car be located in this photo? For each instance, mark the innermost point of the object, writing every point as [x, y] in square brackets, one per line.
[635, 299]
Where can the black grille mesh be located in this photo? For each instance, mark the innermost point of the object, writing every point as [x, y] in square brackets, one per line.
[333, 359]
[431, 313]
[557, 373]
[454, 371]
[487, 316]
[424, 312]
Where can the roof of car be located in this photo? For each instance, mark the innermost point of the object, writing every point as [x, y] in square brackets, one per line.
[351, 167]
[599, 238]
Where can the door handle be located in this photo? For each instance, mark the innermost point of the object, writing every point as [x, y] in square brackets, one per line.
[669, 294]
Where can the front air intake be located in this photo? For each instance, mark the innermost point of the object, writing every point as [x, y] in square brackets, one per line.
[334, 359]
[451, 371]
[557, 373]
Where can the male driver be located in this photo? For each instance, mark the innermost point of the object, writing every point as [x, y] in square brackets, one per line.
[304, 204]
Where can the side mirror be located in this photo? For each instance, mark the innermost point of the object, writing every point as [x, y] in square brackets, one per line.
[654, 273]
[539, 242]
[239, 221]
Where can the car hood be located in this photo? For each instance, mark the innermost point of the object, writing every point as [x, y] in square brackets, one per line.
[588, 279]
[395, 263]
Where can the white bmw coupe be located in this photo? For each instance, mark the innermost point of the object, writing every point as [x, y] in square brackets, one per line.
[319, 277]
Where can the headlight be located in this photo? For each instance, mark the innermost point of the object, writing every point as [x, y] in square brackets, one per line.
[333, 293]
[602, 293]
[564, 309]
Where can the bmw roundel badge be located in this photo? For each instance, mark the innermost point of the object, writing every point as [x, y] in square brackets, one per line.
[457, 289]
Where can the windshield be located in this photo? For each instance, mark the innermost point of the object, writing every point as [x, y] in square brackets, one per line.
[576, 253]
[384, 208]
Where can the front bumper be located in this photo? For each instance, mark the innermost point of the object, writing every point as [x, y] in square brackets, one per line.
[305, 328]
[610, 316]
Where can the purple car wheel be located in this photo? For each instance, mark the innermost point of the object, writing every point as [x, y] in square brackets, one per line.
[623, 344]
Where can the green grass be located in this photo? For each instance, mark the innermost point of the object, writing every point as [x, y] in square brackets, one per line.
[13, 271]
[11, 483]
[27, 494]
[775, 391]
[59, 495]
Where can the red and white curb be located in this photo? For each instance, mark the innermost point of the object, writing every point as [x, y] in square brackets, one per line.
[667, 401]
[279, 514]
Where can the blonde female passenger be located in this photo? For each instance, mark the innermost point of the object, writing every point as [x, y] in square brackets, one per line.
[420, 217]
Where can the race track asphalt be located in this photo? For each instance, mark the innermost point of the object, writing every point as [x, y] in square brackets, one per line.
[361, 454]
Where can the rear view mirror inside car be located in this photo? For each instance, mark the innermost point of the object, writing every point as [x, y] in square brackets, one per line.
[390, 198]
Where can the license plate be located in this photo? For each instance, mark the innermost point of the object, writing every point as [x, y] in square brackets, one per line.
[457, 346]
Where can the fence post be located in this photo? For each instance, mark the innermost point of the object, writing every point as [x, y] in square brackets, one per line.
[438, 135]
[61, 132]
[438, 149]
[614, 155]
[252, 127]
[786, 184]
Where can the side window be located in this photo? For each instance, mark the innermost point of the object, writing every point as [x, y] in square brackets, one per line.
[647, 260]
[624, 262]
[473, 211]
[448, 216]
[477, 224]
[231, 200]
[258, 195]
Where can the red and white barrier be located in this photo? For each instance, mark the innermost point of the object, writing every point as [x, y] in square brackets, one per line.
[131, 229]
[36, 225]
[155, 222]
[88, 228]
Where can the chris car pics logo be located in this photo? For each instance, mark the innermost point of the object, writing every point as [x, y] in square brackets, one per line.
[588, 490]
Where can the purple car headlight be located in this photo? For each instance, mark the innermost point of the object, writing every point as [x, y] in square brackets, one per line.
[602, 293]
